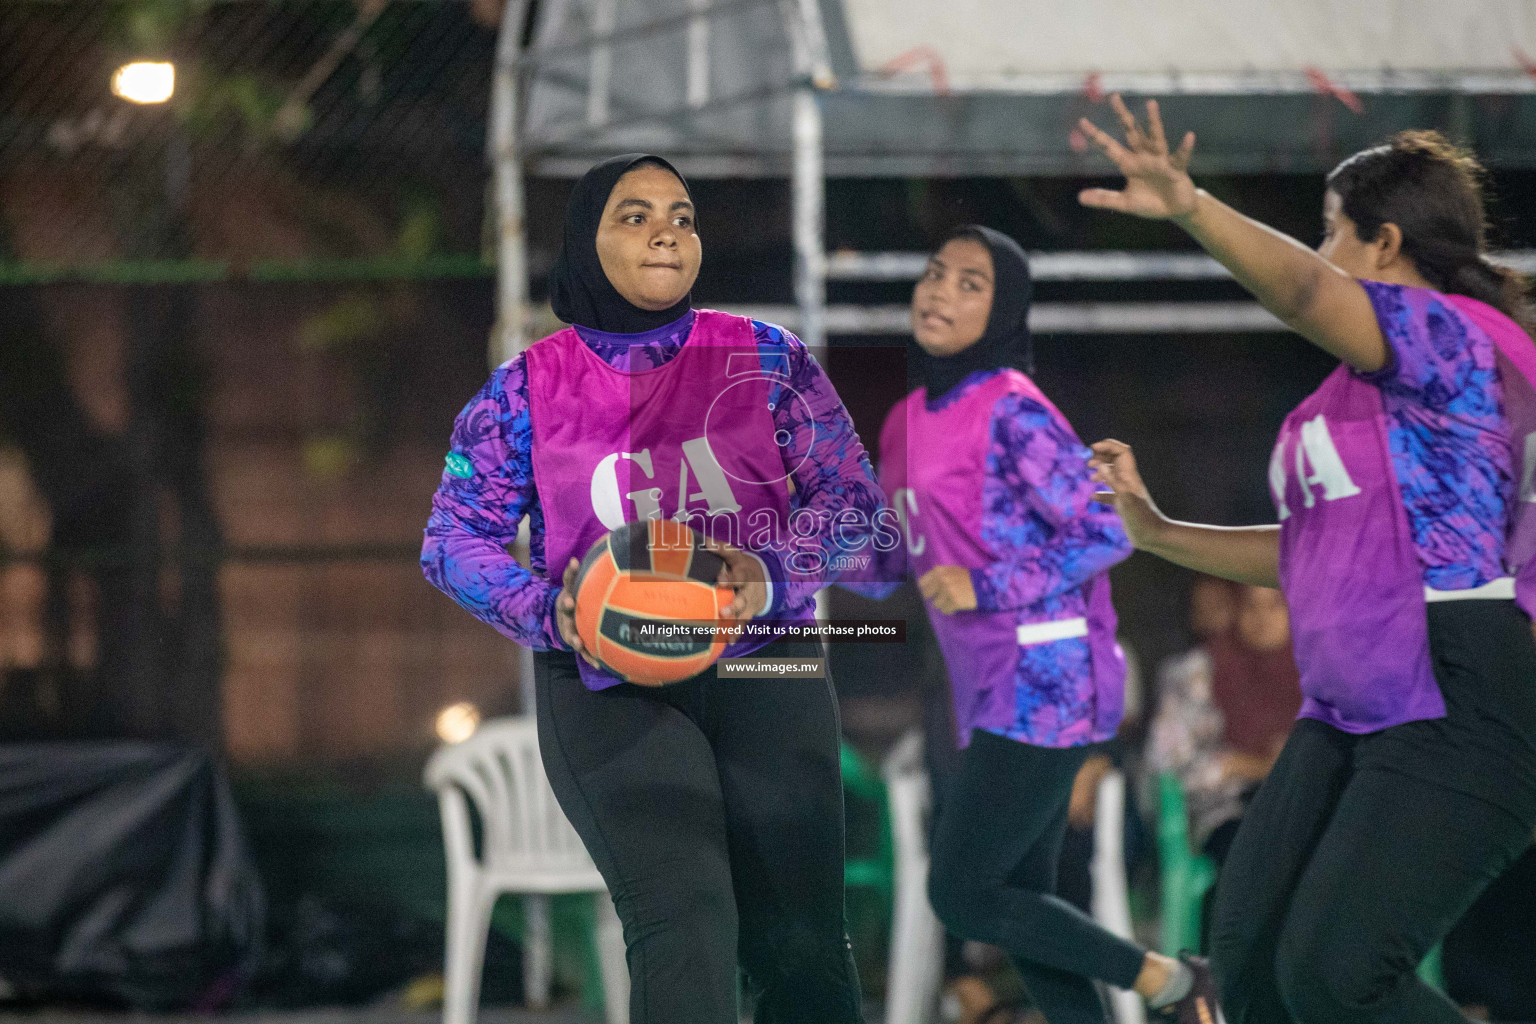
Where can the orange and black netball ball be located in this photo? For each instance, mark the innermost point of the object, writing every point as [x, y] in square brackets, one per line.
[646, 597]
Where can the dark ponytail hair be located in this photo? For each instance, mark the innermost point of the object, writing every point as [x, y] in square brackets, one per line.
[1433, 192]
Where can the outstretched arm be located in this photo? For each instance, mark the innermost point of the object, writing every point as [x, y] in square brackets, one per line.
[1039, 517]
[1312, 296]
[1247, 554]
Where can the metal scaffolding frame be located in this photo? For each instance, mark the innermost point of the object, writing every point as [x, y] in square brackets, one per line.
[807, 38]
[817, 49]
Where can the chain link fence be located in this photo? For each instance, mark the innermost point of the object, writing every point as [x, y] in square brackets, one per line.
[212, 487]
[303, 138]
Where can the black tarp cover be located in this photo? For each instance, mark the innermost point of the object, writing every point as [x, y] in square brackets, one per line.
[124, 875]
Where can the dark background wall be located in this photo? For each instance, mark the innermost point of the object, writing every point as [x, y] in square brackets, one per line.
[314, 416]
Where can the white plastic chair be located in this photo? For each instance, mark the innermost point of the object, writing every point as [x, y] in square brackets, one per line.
[916, 970]
[528, 847]
[1111, 901]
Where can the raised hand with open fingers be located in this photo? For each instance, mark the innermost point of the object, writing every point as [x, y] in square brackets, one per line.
[1157, 182]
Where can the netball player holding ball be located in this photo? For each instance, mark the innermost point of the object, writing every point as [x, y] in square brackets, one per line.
[713, 806]
[1012, 553]
[1404, 551]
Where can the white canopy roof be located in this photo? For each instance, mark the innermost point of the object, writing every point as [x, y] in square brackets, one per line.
[1202, 45]
[994, 86]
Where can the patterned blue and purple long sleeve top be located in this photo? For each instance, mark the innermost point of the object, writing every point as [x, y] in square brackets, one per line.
[487, 486]
[1049, 538]
[1448, 434]
[1043, 540]
[1038, 513]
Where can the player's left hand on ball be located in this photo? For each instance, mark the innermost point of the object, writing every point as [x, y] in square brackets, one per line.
[565, 613]
[744, 574]
[948, 588]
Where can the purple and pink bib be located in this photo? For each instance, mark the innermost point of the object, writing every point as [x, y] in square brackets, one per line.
[932, 465]
[692, 439]
[1348, 565]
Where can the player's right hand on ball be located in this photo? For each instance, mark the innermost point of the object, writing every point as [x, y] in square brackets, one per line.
[565, 613]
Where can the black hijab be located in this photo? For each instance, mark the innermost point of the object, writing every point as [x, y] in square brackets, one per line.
[579, 291]
[1006, 341]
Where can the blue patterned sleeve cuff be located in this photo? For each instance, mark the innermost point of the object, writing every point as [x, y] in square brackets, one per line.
[552, 627]
[987, 597]
[773, 569]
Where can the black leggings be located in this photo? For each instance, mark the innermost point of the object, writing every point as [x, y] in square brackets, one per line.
[713, 809]
[993, 877]
[1359, 853]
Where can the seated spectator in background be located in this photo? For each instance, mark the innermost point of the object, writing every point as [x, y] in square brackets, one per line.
[1226, 708]
[1257, 691]
[1186, 722]
[1212, 610]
